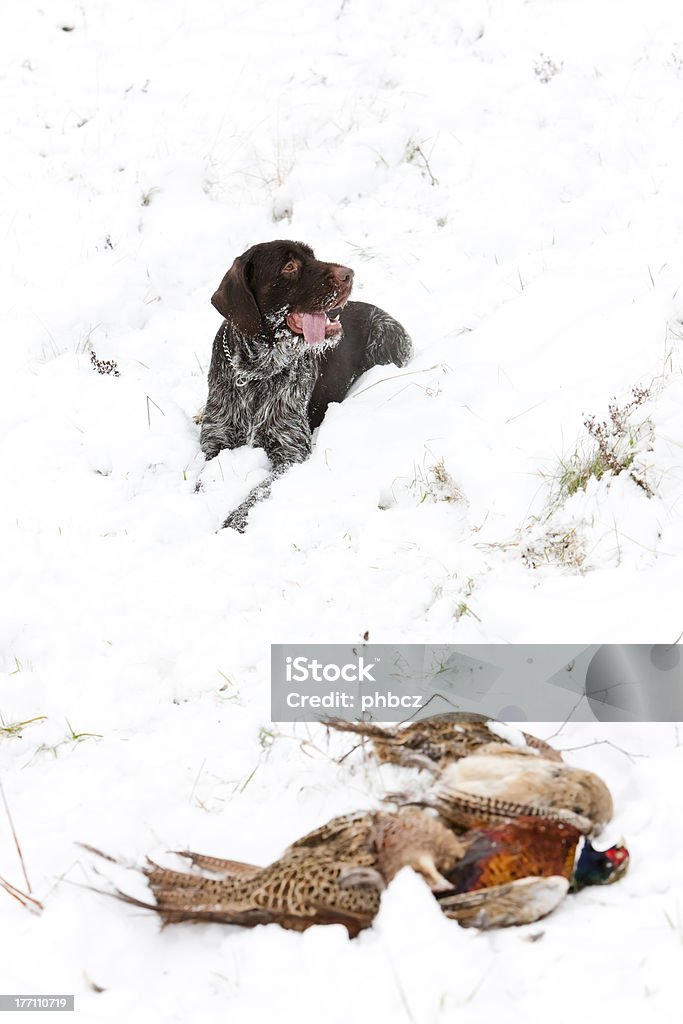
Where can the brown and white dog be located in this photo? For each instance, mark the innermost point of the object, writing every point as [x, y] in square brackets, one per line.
[290, 343]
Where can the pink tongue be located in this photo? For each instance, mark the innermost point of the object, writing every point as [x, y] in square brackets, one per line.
[314, 327]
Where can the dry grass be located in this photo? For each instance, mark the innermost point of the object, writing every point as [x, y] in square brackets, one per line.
[21, 895]
[435, 483]
[616, 442]
[556, 547]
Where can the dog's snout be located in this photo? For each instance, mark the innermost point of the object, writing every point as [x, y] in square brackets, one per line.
[343, 275]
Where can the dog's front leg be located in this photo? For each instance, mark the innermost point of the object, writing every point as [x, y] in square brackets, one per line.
[284, 449]
[237, 520]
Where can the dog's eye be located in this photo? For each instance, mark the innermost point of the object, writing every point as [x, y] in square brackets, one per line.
[290, 267]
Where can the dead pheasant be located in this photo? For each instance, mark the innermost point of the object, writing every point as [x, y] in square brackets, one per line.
[506, 782]
[332, 875]
[433, 742]
[518, 871]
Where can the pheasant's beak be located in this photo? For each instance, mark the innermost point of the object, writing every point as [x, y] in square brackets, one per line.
[426, 867]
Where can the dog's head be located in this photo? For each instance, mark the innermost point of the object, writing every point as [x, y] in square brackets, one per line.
[280, 291]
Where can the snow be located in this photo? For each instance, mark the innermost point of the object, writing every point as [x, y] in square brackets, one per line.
[527, 233]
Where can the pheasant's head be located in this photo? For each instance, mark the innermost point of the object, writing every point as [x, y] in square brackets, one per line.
[600, 867]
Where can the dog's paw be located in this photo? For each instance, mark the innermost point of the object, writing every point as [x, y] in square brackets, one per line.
[237, 520]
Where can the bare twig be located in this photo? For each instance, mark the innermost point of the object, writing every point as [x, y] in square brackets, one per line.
[608, 743]
[149, 422]
[410, 373]
[15, 837]
[22, 897]
[432, 179]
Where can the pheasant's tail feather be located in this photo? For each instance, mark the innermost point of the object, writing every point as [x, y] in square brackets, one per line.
[514, 903]
[369, 729]
[113, 891]
[218, 865]
[119, 861]
[168, 879]
[132, 901]
[118, 894]
[467, 810]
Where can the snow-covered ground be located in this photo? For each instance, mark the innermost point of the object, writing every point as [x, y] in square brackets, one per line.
[504, 177]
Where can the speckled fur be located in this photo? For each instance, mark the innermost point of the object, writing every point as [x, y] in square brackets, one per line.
[263, 376]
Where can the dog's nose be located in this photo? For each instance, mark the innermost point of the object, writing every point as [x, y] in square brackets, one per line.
[343, 275]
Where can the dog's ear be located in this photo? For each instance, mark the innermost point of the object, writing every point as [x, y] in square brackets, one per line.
[235, 300]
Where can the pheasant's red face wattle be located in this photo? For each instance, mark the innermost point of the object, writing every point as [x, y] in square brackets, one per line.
[617, 855]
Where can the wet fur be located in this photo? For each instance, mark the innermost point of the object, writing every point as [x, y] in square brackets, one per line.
[267, 386]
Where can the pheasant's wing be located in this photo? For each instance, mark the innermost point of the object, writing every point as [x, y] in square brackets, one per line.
[465, 810]
[521, 902]
[218, 865]
[345, 830]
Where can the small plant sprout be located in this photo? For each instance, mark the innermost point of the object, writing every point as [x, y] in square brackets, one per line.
[267, 737]
[148, 195]
[415, 155]
[228, 690]
[80, 737]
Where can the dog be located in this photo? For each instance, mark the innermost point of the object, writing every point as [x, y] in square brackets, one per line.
[290, 343]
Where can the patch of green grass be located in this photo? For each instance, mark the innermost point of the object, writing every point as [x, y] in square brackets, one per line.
[242, 785]
[16, 728]
[229, 691]
[79, 737]
[267, 737]
[72, 738]
[464, 609]
[576, 471]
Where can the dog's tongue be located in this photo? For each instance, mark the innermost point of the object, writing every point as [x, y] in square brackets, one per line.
[313, 327]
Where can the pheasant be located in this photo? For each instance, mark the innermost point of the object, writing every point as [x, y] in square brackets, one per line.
[332, 875]
[506, 782]
[433, 742]
[519, 870]
[511, 873]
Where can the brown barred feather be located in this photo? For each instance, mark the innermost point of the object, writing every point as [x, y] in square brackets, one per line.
[433, 742]
[334, 874]
[218, 865]
[508, 782]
